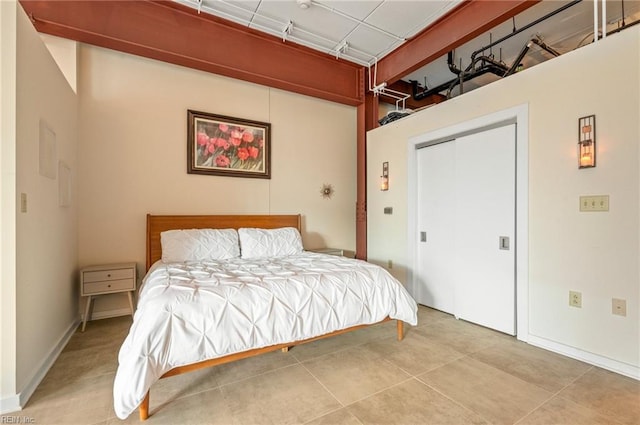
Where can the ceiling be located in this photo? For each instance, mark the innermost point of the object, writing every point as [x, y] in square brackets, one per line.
[370, 28]
[365, 31]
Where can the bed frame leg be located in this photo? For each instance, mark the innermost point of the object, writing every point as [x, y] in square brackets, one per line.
[285, 349]
[144, 407]
[400, 330]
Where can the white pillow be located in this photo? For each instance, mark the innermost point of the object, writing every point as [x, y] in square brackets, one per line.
[199, 245]
[259, 243]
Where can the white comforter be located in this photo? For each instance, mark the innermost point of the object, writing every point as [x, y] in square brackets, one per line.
[193, 312]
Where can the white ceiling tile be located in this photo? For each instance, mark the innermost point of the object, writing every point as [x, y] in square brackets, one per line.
[405, 17]
[236, 11]
[313, 20]
[358, 9]
[369, 40]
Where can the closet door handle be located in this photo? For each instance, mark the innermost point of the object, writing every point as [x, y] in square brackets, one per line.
[503, 243]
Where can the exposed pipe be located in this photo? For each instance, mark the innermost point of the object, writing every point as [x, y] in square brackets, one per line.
[494, 67]
[537, 21]
[489, 65]
[516, 62]
[419, 95]
[450, 63]
[461, 78]
[470, 76]
[497, 67]
[546, 47]
[484, 60]
[470, 72]
[624, 27]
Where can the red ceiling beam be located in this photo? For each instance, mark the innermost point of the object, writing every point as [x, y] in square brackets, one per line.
[174, 33]
[467, 21]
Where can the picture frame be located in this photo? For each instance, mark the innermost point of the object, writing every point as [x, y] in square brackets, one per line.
[227, 146]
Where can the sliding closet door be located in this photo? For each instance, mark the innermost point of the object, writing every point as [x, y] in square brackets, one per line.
[434, 284]
[466, 222]
[485, 228]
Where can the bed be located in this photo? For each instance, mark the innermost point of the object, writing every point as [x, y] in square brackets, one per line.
[231, 287]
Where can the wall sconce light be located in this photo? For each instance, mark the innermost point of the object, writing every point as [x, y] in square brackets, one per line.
[384, 179]
[587, 142]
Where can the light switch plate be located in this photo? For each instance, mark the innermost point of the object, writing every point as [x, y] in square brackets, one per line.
[23, 202]
[594, 203]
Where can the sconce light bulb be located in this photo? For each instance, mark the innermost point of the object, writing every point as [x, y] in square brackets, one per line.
[384, 183]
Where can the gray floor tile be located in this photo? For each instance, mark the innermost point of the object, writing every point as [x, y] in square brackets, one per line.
[548, 370]
[561, 411]
[412, 402]
[353, 374]
[286, 396]
[498, 396]
[466, 374]
[607, 393]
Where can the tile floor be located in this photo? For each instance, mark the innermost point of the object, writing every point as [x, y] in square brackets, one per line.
[444, 372]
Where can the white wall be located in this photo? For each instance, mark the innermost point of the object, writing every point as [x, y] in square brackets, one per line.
[132, 157]
[46, 242]
[39, 247]
[65, 53]
[595, 253]
[8, 391]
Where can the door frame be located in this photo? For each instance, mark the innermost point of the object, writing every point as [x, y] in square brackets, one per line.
[520, 116]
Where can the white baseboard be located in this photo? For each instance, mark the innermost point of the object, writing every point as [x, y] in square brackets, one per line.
[594, 359]
[10, 404]
[110, 313]
[17, 402]
[46, 364]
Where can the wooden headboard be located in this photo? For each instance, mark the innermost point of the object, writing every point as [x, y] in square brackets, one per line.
[159, 223]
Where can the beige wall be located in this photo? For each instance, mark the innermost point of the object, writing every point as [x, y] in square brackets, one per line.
[39, 246]
[595, 253]
[132, 157]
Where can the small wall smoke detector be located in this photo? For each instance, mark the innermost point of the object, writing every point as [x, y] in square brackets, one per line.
[304, 4]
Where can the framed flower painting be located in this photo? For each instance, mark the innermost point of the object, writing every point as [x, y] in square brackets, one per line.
[227, 146]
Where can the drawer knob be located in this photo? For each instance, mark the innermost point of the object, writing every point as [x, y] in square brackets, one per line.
[109, 275]
[108, 286]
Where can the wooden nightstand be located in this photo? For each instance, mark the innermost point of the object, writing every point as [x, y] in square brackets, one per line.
[107, 279]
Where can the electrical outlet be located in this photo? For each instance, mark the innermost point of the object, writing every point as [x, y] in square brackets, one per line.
[575, 299]
[619, 307]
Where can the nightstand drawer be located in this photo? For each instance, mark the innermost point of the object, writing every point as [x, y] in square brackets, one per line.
[102, 275]
[108, 286]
